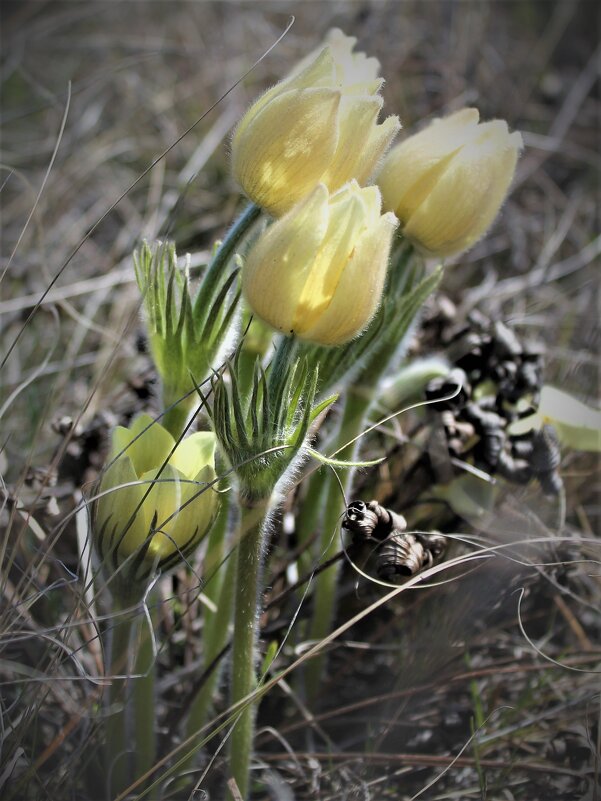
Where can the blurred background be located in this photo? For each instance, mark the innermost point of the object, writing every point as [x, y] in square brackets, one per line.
[92, 94]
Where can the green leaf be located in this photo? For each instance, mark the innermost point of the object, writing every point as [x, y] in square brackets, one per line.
[270, 655]
[317, 410]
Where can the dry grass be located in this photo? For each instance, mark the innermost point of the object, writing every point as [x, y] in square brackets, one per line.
[452, 692]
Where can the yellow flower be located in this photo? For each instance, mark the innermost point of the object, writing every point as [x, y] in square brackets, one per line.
[153, 507]
[447, 183]
[318, 124]
[319, 271]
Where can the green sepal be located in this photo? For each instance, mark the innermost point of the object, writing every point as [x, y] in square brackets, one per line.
[187, 334]
[262, 430]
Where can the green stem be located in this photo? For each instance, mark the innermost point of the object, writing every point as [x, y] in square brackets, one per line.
[308, 518]
[118, 745]
[244, 678]
[144, 702]
[352, 423]
[224, 253]
[215, 639]
[177, 414]
[220, 590]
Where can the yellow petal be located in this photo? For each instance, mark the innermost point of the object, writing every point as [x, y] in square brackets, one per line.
[350, 310]
[194, 453]
[281, 154]
[277, 267]
[346, 220]
[161, 505]
[352, 67]
[413, 167]
[448, 182]
[379, 141]
[357, 117]
[199, 504]
[120, 521]
[467, 196]
[318, 71]
[146, 443]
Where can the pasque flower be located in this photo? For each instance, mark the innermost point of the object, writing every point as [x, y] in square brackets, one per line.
[447, 183]
[318, 124]
[319, 271]
[154, 503]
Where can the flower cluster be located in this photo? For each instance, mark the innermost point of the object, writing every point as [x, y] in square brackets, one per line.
[304, 149]
[305, 153]
[330, 207]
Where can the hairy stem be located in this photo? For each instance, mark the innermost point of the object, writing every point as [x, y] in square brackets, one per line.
[220, 590]
[224, 253]
[244, 678]
[118, 745]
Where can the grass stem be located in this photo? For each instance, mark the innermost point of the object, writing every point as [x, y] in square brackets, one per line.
[351, 425]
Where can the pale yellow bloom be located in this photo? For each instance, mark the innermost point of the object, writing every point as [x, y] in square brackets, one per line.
[447, 183]
[318, 272]
[317, 125]
[153, 513]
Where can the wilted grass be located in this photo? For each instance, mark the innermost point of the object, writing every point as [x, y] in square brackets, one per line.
[484, 685]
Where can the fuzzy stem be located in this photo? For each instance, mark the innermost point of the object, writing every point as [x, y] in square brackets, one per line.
[224, 253]
[118, 744]
[143, 695]
[220, 590]
[355, 412]
[244, 678]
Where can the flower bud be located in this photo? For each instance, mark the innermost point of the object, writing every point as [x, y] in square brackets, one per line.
[188, 332]
[318, 273]
[447, 183]
[154, 505]
[318, 124]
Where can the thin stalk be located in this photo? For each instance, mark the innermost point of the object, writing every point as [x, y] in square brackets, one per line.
[143, 695]
[224, 253]
[220, 590]
[215, 639]
[308, 518]
[118, 744]
[244, 677]
[353, 419]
